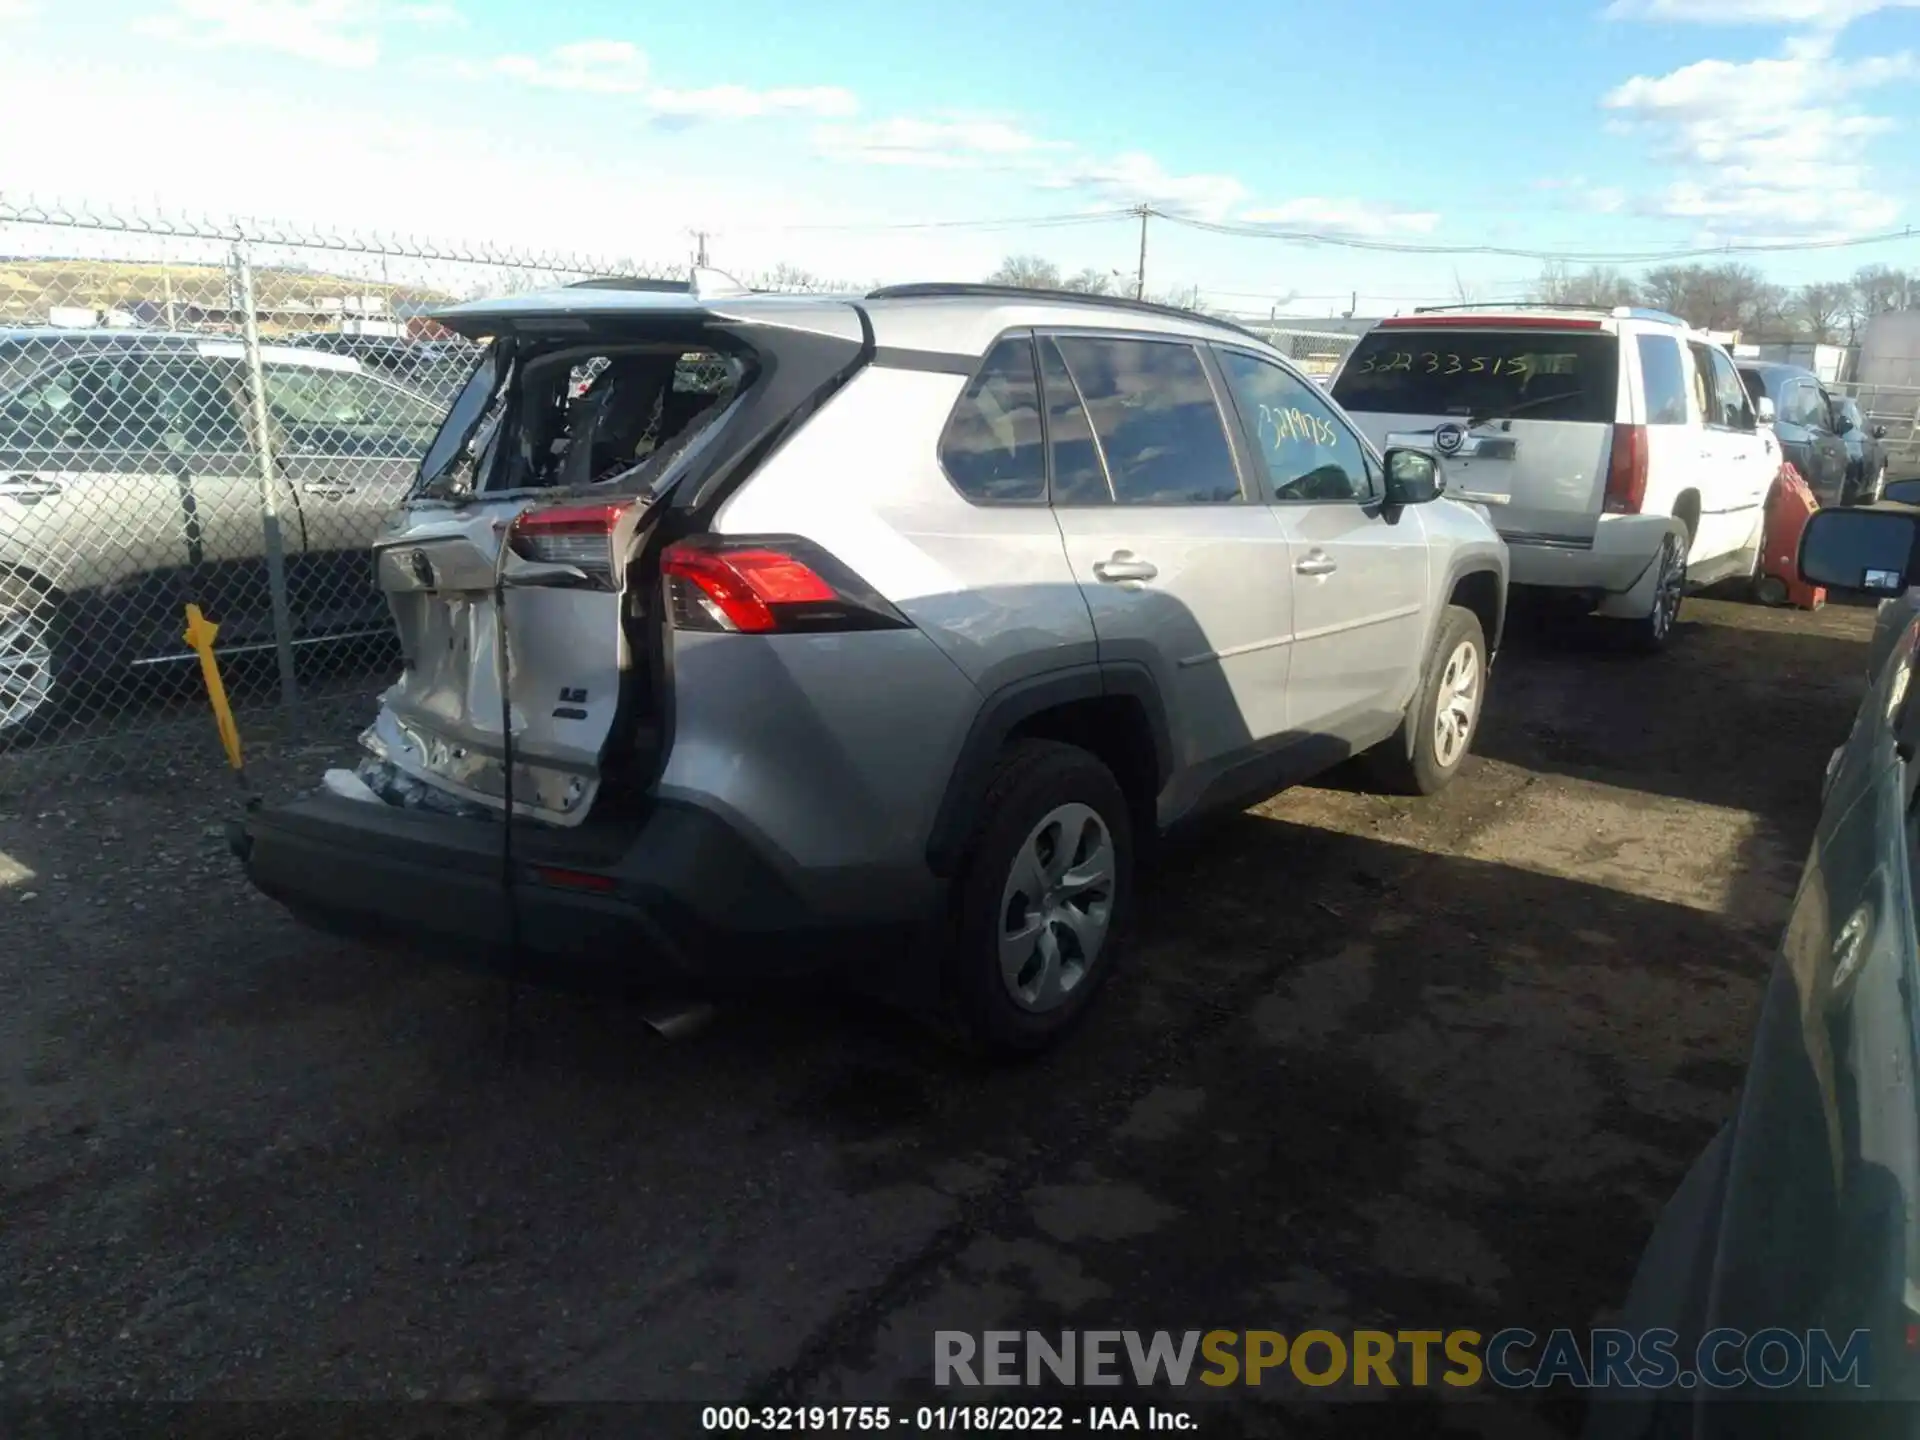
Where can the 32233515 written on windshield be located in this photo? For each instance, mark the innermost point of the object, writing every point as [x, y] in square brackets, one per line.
[1436, 362]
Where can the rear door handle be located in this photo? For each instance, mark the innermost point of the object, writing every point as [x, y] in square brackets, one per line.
[325, 489]
[1124, 565]
[1316, 562]
[27, 488]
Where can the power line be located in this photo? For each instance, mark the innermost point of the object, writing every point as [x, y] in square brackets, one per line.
[1579, 257]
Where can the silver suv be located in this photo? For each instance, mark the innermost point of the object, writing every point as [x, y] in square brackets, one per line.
[908, 616]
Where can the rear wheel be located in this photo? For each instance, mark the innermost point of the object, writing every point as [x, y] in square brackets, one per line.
[30, 656]
[1427, 750]
[1653, 630]
[1043, 898]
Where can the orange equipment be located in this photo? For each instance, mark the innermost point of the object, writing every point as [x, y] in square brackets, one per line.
[1789, 504]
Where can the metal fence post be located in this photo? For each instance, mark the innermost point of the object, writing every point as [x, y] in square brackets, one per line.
[269, 487]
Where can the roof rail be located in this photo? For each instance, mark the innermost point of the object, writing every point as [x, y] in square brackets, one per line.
[1617, 312]
[957, 290]
[633, 282]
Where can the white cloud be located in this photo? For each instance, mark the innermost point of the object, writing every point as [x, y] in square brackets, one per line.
[1812, 14]
[1138, 179]
[937, 144]
[596, 67]
[619, 67]
[345, 33]
[737, 102]
[18, 10]
[1357, 218]
[1762, 146]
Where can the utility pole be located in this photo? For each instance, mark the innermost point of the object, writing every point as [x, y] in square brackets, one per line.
[1140, 278]
[700, 253]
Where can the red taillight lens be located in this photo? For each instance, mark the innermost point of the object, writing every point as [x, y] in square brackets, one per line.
[762, 585]
[1627, 470]
[570, 534]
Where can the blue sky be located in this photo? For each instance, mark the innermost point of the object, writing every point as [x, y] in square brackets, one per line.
[822, 136]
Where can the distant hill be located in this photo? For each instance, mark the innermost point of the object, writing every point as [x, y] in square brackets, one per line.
[287, 299]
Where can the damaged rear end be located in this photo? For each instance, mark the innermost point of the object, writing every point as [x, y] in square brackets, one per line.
[523, 573]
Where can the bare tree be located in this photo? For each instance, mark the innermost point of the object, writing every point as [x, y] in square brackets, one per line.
[1090, 281]
[1463, 293]
[791, 277]
[1597, 286]
[1823, 310]
[1028, 272]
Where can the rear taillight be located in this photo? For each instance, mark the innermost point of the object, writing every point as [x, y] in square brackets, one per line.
[767, 584]
[1627, 470]
[579, 535]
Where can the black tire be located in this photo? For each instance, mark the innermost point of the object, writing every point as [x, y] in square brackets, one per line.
[1032, 781]
[1410, 762]
[1651, 633]
[29, 617]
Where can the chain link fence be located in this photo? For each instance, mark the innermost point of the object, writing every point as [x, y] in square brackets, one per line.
[219, 415]
[1895, 408]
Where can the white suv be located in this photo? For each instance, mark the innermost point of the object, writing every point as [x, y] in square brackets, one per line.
[1616, 449]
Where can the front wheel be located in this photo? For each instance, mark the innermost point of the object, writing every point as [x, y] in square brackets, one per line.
[1426, 752]
[1043, 899]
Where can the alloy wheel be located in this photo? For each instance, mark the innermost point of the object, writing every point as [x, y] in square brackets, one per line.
[26, 660]
[1456, 705]
[1057, 907]
[1670, 588]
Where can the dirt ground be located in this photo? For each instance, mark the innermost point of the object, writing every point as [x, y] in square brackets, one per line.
[1371, 1063]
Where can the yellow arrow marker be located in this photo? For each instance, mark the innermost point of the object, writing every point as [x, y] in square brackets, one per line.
[199, 637]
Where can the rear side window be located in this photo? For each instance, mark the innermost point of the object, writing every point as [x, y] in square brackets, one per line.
[992, 448]
[1664, 379]
[1483, 374]
[1159, 426]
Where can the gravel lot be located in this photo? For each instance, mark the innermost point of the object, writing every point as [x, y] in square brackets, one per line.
[1372, 1062]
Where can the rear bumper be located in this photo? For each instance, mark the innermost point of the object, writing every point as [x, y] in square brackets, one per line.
[678, 896]
[1622, 548]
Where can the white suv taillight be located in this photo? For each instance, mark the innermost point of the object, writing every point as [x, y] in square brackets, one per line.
[1627, 470]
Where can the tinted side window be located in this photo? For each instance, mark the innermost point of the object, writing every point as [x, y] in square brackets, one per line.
[1801, 405]
[1159, 427]
[1079, 474]
[1309, 453]
[1703, 385]
[333, 412]
[1736, 411]
[195, 405]
[92, 402]
[1664, 379]
[991, 448]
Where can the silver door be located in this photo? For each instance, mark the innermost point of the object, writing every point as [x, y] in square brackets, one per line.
[1183, 569]
[1360, 577]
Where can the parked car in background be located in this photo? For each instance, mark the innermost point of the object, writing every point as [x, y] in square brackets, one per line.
[436, 368]
[1803, 1215]
[130, 484]
[1616, 449]
[1866, 451]
[1026, 579]
[1804, 423]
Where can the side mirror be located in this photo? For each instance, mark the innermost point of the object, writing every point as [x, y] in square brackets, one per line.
[1763, 410]
[1864, 550]
[1878, 432]
[1902, 492]
[1413, 477]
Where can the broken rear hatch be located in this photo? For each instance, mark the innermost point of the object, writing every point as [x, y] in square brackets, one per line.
[597, 419]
